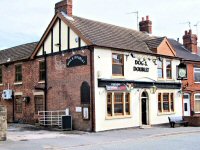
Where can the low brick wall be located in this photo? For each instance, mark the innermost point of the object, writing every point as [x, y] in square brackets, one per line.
[3, 123]
[193, 120]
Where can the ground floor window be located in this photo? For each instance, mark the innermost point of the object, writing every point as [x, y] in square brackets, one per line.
[118, 104]
[39, 103]
[18, 104]
[197, 102]
[165, 102]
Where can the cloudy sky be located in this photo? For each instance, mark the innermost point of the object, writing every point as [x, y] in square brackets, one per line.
[24, 21]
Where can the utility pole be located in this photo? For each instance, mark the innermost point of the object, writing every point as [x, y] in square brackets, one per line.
[137, 13]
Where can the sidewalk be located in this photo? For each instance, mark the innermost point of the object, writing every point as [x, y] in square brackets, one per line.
[29, 137]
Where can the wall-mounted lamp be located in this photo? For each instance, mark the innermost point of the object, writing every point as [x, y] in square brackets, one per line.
[153, 89]
[132, 55]
[126, 56]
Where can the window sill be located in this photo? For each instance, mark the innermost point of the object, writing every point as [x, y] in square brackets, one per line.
[18, 83]
[166, 113]
[122, 77]
[41, 82]
[197, 82]
[118, 117]
[1, 84]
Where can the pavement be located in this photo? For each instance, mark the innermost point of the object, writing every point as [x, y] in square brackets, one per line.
[20, 136]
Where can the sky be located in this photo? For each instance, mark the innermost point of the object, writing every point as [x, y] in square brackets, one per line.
[24, 21]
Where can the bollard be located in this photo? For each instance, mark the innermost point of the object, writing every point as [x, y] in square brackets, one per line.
[3, 123]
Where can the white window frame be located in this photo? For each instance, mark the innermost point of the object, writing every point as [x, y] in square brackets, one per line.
[195, 101]
[196, 72]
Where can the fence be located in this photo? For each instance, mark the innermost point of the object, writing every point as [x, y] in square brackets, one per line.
[3, 123]
[51, 118]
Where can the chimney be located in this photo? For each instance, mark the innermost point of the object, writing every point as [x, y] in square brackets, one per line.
[190, 41]
[146, 25]
[64, 6]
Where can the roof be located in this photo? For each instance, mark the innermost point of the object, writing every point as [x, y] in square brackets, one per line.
[17, 53]
[182, 52]
[154, 43]
[107, 35]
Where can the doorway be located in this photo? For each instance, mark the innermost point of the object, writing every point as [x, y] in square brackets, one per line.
[186, 104]
[144, 108]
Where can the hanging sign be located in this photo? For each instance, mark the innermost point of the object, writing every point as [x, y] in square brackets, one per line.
[182, 71]
[76, 60]
[116, 87]
[142, 66]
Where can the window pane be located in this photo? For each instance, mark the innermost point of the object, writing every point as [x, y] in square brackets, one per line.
[159, 102]
[169, 74]
[160, 64]
[168, 69]
[42, 71]
[127, 101]
[197, 106]
[118, 106]
[197, 76]
[109, 104]
[18, 104]
[166, 102]
[160, 73]
[172, 102]
[39, 103]
[117, 58]
[117, 69]
[197, 96]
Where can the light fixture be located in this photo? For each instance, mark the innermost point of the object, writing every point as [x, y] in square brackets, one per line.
[82, 51]
[153, 89]
[132, 55]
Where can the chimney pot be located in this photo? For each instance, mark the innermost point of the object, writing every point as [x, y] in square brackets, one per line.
[145, 25]
[147, 17]
[186, 32]
[142, 18]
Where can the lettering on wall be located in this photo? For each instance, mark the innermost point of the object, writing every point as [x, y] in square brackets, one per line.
[76, 60]
[141, 66]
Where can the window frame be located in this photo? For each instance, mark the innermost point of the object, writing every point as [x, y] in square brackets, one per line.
[41, 105]
[113, 102]
[171, 103]
[196, 72]
[41, 71]
[118, 64]
[18, 73]
[18, 104]
[168, 68]
[162, 68]
[195, 102]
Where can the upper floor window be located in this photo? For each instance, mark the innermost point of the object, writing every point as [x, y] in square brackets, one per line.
[160, 69]
[168, 69]
[18, 73]
[197, 102]
[41, 71]
[197, 74]
[1, 75]
[118, 64]
[165, 102]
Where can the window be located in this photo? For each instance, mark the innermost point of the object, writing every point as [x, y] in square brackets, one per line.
[168, 69]
[39, 103]
[197, 74]
[1, 75]
[160, 69]
[118, 64]
[18, 104]
[165, 102]
[18, 73]
[118, 104]
[41, 71]
[197, 102]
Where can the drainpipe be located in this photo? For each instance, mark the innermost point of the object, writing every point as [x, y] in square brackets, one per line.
[45, 84]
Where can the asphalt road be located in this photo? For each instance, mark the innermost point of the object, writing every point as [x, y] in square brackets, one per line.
[156, 138]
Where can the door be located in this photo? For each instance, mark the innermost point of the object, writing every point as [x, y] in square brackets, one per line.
[186, 104]
[144, 107]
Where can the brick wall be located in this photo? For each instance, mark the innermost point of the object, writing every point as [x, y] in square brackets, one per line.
[63, 88]
[3, 123]
[189, 85]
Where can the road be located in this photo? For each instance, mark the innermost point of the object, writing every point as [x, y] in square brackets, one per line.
[156, 138]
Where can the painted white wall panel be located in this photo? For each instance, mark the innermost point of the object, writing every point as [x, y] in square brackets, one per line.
[64, 41]
[47, 44]
[56, 37]
[73, 39]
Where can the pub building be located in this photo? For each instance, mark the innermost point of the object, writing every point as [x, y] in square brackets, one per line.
[108, 77]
